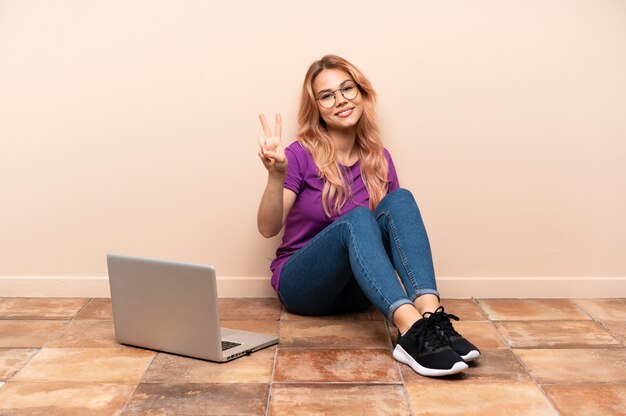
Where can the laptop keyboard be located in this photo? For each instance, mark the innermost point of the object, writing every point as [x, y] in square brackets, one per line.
[226, 345]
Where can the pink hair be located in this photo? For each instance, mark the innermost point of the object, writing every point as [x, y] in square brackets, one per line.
[313, 136]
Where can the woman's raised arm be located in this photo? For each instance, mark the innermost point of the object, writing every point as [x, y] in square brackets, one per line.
[276, 201]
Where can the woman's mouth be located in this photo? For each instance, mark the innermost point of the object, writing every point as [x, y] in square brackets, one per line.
[345, 113]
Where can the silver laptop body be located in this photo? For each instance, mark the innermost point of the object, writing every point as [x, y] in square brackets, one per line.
[171, 306]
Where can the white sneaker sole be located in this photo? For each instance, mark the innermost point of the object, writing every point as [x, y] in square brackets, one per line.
[401, 355]
[471, 356]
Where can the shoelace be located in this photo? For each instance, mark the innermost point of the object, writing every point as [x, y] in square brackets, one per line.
[428, 329]
[442, 320]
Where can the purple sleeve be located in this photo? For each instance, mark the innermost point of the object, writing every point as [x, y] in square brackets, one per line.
[295, 167]
[392, 177]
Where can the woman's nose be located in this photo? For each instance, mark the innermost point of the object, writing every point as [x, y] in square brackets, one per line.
[339, 98]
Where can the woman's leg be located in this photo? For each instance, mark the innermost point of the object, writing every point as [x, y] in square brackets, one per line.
[314, 281]
[406, 241]
[318, 278]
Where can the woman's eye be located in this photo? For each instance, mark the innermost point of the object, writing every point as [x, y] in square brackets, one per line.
[348, 88]
[326, 96]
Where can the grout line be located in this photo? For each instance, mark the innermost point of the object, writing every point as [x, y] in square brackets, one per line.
[25, 363]
[584, 311]
[601, 324]
[405, 392]
[502, 337]
[128, 399]
[137, 385]
[613, 334]
[478, 302]
[548, 399]
[480, 308]
[67, 323]
[521, 362]
[83, 308]
[271, 383]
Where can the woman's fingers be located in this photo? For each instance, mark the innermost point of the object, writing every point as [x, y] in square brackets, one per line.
[266, 128]
[271, 150]
[263, 157]
[278, 126]
[273, 143]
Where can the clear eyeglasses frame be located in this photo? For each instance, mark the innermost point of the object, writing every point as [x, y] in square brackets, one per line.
[327, 99]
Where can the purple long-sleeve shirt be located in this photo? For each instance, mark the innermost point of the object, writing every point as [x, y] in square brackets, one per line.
[306, 218]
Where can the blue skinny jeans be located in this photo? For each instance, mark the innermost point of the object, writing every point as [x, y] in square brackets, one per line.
[352, 263]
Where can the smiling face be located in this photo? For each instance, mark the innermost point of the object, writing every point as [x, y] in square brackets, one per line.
[345, 114]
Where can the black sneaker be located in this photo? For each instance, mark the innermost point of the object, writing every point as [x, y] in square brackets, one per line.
[425, 350]
[460, 345]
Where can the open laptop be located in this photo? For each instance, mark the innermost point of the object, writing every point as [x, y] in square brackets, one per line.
[172, 307]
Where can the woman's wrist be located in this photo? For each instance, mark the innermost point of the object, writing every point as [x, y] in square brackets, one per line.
[277, 176]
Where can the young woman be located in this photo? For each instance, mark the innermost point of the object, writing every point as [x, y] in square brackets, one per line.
[349, 227]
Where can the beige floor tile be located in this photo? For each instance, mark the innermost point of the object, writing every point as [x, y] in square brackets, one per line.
[11, 360]
[554, 366]
[588, 400]
[371, 314]
[63, 399]
[559, 334]
[466, 309]
[114, 365]
[85, 334]
[168, 368]
[345, 366]
[481, 334]
[532, 309]
[338, 399]
[494, 365]
[18, 333]
[40, 308]
[617, 329]
[241, 309]
[263, 327]
[334, 334]
[97, 309]
[493, 399]
[198, 399]
[604, 309]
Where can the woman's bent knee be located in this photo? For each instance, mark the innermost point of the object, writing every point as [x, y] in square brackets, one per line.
[400, 196]
[358, 215]
[400, 193]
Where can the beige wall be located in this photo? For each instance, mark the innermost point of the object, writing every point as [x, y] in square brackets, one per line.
[131, 126]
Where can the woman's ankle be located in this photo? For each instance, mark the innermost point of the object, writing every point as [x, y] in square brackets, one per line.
[405, 316]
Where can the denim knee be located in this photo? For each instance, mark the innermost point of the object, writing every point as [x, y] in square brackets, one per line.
[358, 214]
[361, 217]
[399, 196]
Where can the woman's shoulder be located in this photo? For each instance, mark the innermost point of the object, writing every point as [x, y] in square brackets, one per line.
[297, 149]
[298, 152]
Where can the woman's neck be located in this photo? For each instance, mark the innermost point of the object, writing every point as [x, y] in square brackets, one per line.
[345, 149]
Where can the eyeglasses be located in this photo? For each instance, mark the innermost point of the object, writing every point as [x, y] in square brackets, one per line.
[349, 91]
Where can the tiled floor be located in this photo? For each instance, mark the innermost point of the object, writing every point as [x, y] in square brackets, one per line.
[540, 357]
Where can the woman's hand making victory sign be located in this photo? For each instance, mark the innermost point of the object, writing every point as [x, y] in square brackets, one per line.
[272, 152]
